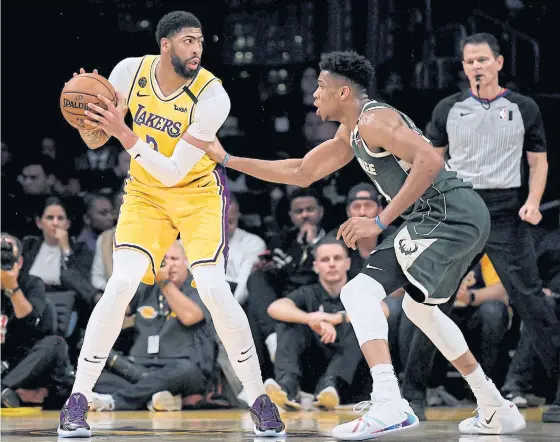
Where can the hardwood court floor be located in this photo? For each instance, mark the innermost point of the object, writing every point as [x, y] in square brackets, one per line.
[34, 425]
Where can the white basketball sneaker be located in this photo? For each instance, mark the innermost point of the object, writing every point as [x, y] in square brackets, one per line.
[383, 417]
[504, 419]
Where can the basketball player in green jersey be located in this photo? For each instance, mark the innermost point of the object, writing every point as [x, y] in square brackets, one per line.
[446, 225]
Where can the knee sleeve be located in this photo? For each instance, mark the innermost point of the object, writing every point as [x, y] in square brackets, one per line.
[129, 267]
[362, 298]
[216, 294]
[438, 327]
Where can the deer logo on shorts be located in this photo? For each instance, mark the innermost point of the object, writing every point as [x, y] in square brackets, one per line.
[407, 247]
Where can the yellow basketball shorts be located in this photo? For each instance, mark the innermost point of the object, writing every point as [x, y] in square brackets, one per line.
[151, 219]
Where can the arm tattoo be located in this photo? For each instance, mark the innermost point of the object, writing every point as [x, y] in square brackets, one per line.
[94, 138]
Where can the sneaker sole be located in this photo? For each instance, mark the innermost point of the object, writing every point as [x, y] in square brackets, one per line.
[381, 433]
[488, 431]
[80, 432]
[269, 433]
[327, 400]
[280, 398]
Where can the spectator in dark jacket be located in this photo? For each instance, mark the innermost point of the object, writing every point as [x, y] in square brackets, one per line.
[33, 359]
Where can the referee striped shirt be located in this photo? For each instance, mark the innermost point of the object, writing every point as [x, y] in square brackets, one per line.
[485, 146]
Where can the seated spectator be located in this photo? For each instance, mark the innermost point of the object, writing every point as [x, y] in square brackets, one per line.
[63, 265]
[33, 359]
[55, 257]
[102, 267]
[363, 201]
[287, 267]
[93, 164]
[98, 218]
[113, 180]
[36, 179]
[244, 250]
[317, 347]
[175, 349]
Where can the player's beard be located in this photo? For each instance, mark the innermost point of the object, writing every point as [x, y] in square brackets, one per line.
[180, 67]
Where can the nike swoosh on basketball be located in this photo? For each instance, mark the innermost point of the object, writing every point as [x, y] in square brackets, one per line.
[369, 266]
[138, 94]
[490, 420]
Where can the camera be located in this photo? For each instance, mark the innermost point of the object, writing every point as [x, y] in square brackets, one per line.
[8, 257]
[123, 367]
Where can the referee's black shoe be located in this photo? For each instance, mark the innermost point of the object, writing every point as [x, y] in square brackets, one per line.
[552, 415]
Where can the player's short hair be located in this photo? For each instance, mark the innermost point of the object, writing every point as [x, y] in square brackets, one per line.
[330, 239]
[480, 39]
[354, 67]
[173, 22]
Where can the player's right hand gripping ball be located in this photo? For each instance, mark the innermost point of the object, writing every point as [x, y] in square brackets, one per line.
[81, 90]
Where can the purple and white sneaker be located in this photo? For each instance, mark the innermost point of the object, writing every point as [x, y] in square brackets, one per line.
[266, 417]
[73, 417]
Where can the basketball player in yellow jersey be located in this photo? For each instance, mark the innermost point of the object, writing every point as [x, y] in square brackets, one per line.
[174, 188]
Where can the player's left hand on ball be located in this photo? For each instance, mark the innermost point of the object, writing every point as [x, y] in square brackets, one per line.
[530, 213]
[111, 120]
[356, 228]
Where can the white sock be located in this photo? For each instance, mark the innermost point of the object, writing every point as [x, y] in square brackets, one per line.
[105, 322]
[483, 388]
[232, 327]
[385, 383]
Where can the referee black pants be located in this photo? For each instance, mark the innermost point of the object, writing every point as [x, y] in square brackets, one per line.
[510, 248]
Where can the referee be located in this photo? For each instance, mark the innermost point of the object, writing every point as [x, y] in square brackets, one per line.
[483, 133]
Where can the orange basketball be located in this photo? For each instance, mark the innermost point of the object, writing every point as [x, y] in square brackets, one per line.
[81, 90]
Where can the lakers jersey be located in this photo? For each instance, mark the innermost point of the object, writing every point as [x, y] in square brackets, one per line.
[161, 120]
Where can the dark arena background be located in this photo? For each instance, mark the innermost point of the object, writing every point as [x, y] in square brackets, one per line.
[266, 52]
